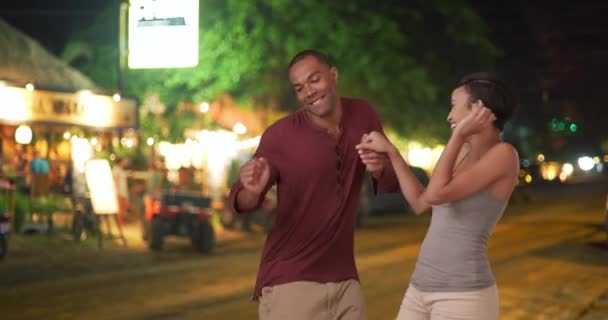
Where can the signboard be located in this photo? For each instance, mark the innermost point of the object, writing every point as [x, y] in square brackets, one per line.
[84, 108]
[163, 33]
[101, 187]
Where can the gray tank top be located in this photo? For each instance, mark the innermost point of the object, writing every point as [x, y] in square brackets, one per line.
[453, 254]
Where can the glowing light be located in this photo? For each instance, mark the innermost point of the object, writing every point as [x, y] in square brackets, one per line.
[420, 157]
[127, 142]
[15, 102]
[98, 111]
[116, 97]
[83, 94]
[204, 107]
[23, 134]
[596, 159]
[150, 141]
[216, 148]
[549, 170]
[567, 169]
[66, 135]
[81, 153]
[540, 158]
[563, 176]
[248, 144]
[522, 173]
[528, 178]
[93, 141]
[29, 87]
[239, 128]
[586, 163]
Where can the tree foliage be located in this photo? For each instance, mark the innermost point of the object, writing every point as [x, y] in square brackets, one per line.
[402, 57]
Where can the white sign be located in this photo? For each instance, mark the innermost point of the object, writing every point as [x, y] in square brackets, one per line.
[101, 187]
[163, 33]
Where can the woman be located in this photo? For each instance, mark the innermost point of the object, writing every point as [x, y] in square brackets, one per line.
[468, 192]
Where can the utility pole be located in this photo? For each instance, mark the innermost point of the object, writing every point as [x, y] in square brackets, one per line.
[122, 44]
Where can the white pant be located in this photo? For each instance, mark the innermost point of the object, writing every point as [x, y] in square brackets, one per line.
[471, 305]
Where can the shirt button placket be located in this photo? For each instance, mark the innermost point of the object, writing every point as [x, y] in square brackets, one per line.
[339, 168]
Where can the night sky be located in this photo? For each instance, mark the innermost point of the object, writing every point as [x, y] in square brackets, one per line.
[555, 52]
[556, 56]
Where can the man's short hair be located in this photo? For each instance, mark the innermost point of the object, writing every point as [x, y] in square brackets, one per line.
[321, 57]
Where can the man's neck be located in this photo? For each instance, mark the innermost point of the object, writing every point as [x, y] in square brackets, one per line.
[331, 122]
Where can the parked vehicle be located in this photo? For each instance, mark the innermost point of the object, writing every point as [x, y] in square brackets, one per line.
[180, 213]
[394, 202]
[5, 227]
[263, 218]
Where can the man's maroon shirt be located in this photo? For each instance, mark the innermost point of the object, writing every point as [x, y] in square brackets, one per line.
[318, 179]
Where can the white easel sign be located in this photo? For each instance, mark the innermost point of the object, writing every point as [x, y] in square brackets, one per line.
[101, 186]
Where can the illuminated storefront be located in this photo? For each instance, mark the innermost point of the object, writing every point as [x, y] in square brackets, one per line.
[50, 121]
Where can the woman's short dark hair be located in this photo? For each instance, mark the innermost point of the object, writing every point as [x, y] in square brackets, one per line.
[493, 92]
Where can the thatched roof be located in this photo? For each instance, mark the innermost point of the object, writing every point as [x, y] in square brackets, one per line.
[23, 59]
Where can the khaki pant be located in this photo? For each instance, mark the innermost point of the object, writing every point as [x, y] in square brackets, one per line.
[304, 300]
[471, 305]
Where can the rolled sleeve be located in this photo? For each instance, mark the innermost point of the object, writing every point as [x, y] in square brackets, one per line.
[387, 182]
[268, 148]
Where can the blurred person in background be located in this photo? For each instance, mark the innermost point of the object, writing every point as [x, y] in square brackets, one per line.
[155, 185]
[122, 187]
[39, 173]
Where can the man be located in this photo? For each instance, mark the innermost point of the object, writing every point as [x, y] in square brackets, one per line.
[155, 185]
[308, 268]
[39, 170]
[122, 187]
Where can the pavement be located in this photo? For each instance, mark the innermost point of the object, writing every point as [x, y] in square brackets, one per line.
[549, 256]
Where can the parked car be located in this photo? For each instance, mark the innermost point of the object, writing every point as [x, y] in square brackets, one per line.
[394, 202]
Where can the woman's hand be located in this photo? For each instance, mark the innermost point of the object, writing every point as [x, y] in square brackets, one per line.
[374, 141]
[477, 120]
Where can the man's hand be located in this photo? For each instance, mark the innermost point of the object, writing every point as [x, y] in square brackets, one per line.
[372, 150]
[254, 175]
[374, 162]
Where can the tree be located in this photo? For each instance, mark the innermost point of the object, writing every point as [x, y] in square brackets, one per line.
[401, 58]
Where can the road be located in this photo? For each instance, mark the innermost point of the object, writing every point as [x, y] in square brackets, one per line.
[548, 256]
